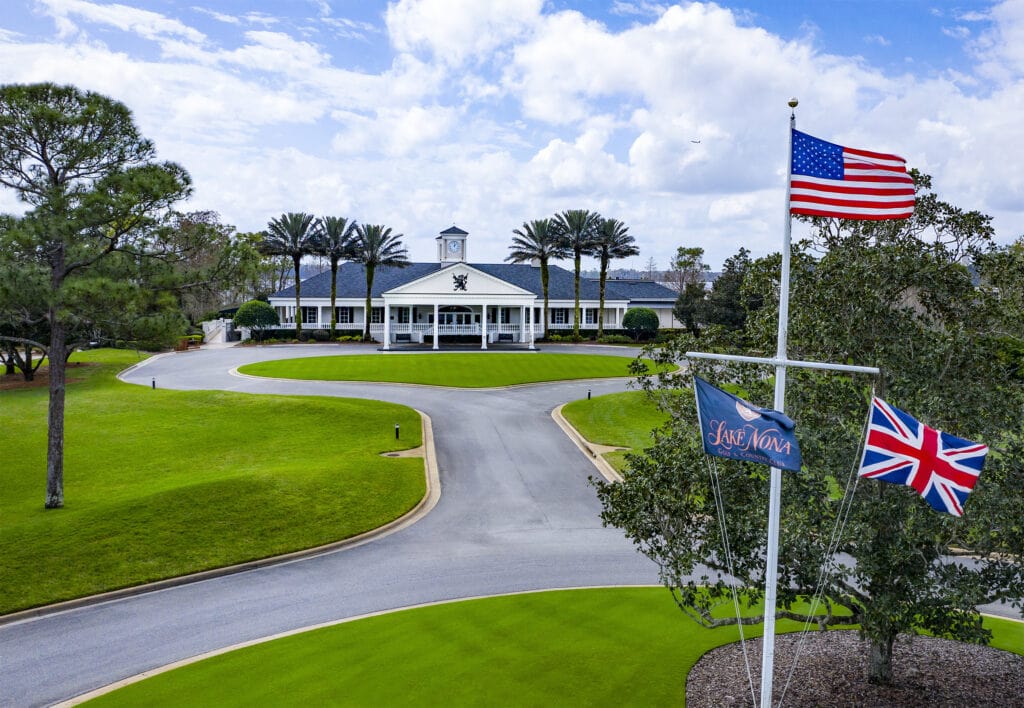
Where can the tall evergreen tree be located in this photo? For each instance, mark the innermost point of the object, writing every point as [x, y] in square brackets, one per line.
[687, 272]
[538, 240]
[612, 241]
[333, 240]
[374, 245]
[291, 235]
[726, 305]
[96, 195]
[577, 229]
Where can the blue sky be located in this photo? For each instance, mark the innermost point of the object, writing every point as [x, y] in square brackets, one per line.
[424, 113]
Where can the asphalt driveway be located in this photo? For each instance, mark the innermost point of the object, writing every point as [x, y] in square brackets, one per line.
[515, 513]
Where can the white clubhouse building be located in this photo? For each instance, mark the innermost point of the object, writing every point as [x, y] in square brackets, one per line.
[455, 298]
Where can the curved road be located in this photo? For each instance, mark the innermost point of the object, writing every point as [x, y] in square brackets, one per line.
[515, 513]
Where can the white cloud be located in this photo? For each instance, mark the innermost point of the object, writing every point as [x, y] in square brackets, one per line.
[641, 8]
[1000, 47]
[878, 39]
[144, 23]
[219, 16]
[491, 114]
[393, 132]
[454, 30]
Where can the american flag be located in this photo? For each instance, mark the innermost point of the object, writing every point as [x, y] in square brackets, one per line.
[902, 450]
[832, 180]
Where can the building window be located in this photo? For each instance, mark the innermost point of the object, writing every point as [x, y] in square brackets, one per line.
[309, 315]
[403, 315]
[343, 315]
[506, 315]
[376, 315]
[559, 315]
[590, 315]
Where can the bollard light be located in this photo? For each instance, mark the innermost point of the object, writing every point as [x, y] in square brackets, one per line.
[396, 431]
[588, 394]
[154, 383]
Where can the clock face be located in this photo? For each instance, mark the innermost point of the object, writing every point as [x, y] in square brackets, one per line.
[453, 246]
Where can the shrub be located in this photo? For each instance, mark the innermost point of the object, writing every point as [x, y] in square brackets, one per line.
[304, 335]
[257, 316]
[615, 339]
[321, 335]
[641, 322]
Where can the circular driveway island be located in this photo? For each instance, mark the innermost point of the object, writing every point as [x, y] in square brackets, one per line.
[515, 513]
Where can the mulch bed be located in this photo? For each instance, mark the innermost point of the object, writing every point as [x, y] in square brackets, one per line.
[15, 381]
[832, 671]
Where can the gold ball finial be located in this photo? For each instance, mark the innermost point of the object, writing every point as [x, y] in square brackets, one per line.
[793, 103]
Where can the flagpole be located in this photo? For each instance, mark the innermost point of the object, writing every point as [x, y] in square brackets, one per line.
[775, 488]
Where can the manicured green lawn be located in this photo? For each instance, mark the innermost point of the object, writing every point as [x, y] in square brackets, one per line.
[163, 483]
[619, 419]
[600, 647]
[467, 370]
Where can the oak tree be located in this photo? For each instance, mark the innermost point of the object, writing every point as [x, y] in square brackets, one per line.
[946, 335]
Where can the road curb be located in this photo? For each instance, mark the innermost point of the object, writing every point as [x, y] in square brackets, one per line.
[425, 505]
[602, 465]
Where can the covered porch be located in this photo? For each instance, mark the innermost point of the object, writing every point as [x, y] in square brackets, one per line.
[491, 323]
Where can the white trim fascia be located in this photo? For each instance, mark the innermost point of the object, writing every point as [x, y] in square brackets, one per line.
[486, 276]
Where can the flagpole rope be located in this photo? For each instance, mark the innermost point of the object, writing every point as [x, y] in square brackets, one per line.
[842, 517]
[724, 533]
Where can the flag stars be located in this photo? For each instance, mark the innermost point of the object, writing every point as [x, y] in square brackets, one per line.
[816, 158]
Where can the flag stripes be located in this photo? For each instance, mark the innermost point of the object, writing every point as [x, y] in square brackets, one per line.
[832, 180]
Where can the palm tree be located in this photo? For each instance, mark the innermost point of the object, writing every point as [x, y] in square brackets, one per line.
[374, 245]
[290, 235]
[576, 229]
[613, 241]
[539, 240]
[333, 241]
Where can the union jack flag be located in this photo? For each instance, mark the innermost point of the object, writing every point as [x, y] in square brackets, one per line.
[902, 450]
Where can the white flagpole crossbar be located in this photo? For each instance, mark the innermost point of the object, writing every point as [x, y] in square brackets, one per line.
[785, 362]
[780, 362]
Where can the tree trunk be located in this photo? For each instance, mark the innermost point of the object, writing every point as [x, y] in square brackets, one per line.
[298, 297]
[576, 308]
[600, 309]
[55, 420]
[880, 661]
[334, 297]
[29, 372]
[544, 286]
[366, 313]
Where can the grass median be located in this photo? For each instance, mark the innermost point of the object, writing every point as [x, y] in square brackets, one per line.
[619, 420]
[596, 647]
[465, 370]
[162, 483]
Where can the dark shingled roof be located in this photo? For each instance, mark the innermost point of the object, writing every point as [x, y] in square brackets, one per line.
[454, 230]
[352, 282]
[640, 290]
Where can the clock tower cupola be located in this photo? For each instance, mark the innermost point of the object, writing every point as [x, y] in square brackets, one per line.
[451, 245]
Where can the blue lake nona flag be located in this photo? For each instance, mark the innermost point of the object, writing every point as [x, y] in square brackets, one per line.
[732, 428]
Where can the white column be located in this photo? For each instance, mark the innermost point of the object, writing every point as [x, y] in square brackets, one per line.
[437, 325]
[387, 326]
[530, 317]
[483, 326]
